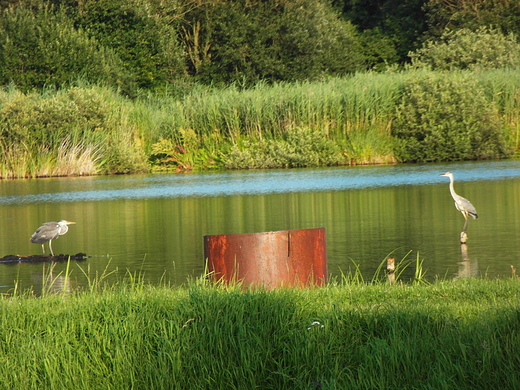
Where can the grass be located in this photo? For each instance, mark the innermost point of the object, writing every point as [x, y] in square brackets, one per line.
[461, 334]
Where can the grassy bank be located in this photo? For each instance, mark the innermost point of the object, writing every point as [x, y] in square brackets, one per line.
[364, 119]
[447, 335]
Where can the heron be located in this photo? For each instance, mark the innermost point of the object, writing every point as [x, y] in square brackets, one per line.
[462, 204]
[50, 231]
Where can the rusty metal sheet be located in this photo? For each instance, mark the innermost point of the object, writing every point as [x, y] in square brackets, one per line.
[269, 259]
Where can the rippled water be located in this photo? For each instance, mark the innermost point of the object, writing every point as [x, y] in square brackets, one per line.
[244, 182]
[154, 224]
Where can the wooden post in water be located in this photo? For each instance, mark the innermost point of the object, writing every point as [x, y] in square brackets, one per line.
[463, 237]
[465, 265]
[390, 270]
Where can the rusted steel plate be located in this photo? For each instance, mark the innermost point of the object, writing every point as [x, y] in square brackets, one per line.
[269, 259]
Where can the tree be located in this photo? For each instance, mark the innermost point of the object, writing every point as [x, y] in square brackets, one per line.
[394, 23]
[247, 40]
[472, 14]
[137, 31]
[485, 48]
[39, 46]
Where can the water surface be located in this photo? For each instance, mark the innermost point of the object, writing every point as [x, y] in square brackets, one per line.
[153, 225]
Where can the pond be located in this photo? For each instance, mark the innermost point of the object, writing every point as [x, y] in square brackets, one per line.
[152, 226]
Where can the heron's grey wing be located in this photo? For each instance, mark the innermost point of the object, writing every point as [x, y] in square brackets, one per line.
[39, 236]
[465, 206]
[48, 231]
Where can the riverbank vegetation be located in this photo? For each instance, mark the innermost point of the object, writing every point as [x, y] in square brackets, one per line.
[415, 115]
[460, 334]
[97, 87]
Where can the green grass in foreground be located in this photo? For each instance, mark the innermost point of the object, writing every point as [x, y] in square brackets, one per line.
[448, 335]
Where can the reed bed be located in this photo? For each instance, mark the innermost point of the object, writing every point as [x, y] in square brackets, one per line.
[260, 127]
[204, 128]
[453, 334]
[269, 110]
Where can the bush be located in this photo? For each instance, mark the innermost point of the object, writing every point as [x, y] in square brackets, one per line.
[447, 118]
[485, 48]
[186, 151]
[38, 132]
[40, 47]
[302, 147]
[141, 33]
[42, 119]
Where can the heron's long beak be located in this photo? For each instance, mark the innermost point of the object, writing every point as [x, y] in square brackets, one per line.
[70, 223]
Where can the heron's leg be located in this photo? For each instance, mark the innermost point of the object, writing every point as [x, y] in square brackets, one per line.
[43, 249]
[52, 253]
[465, 223]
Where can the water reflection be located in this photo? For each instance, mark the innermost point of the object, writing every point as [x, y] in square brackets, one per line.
[241, 183]
[154, 224]
[467, 268]
[53, 281]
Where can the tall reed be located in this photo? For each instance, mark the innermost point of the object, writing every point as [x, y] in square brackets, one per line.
[202, 127]
[338, 105]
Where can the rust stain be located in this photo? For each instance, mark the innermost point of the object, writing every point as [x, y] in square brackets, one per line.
[269, 259]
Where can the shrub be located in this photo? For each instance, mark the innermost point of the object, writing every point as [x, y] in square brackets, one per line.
[43, 119]
[185, 152]
[302, 147]
[80, 128]
[485, 48]
[39, 47]
[142, 33]
[446, 118]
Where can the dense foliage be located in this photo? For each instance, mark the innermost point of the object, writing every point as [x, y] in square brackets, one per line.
[447, 118]
[456, 14]
[367, 118]
[71, 132]
[248, 41]
[42, 47]
[298, 148]
[391, 28]
[146, 44]
[190, 84]
[485, 48]
[144, 41]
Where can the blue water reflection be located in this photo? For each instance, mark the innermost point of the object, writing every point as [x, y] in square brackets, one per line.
[246, 182]
[154, 224]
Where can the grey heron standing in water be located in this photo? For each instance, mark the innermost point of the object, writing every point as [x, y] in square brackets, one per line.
[462, 204]
[50, 231]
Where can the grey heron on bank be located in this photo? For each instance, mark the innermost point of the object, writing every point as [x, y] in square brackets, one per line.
[462, 204]
[50, 231]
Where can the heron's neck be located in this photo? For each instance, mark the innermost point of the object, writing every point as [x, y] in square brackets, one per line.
[452, 190]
